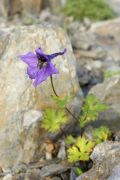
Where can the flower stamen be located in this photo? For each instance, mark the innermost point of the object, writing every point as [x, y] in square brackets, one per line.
[41, 61]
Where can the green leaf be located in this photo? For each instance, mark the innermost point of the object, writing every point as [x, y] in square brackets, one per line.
[78, 171]
[93, 9]
[73, 154]
[53, 119]
[70, 139]
[101, 134]
[91, 109]
[81, 150]
[62, 102]
[109, 74]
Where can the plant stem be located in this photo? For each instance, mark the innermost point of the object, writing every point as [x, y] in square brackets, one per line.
[51, 79]
[58, 96]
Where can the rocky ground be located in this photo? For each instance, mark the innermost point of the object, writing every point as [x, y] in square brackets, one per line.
[91, 65]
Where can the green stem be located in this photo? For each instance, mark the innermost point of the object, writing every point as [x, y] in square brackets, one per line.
[58, 96]
[53, 86]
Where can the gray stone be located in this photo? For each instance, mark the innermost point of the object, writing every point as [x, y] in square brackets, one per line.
[115, 175]
[88, 132]
[21, 135]
[75, 27]
[56, 178]
[55, 5]
[30, 117]
[90, 73]
[15, 6]
[87, 22]
[62, 151]
[109, 93]
[30, 174]
[84, 42]
[47, 16]
[4, 8]
[53, 169]
[32, 7]
[117, 136]
[115, 5]
[9, 8]
[104, 156]
[107, 37]
[8, 177]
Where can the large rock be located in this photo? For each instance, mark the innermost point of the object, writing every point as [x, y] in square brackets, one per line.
[105, 157]
[3, 9]
[107, 37]
[21, 136]
[109, 93]
[55, 5]
[115, 175]
[19, 6]
[31, 6]
[115, 5]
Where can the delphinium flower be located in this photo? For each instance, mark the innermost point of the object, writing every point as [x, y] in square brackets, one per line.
[39, 64]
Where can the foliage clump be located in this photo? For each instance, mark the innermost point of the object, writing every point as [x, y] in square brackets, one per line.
[93, 9]
[61, 102]
[70, 140]
[81, 150]
[101, 134]
[91, 109]
[53, 119]
[110, 74]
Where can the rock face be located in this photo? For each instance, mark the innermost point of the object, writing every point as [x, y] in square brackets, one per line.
[105, 157]
[32, 6]
[97, 52]
[36, 171]
[55, 5]
[21, 136]
[115, 175]
[19, 6]
[115, 5]
[3, 9]
[109, 92]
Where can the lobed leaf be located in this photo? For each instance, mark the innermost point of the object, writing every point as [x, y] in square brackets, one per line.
[70, 139]
[101, 134]
[62, 102]
[91, 109]
[81, 150]
[53, 119]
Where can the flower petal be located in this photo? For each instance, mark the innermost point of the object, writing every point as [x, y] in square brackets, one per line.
[44, 73]
[30, 59]
[32, 72]
[39, 51]
[51, 56]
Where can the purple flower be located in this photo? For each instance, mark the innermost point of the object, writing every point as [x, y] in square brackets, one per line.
[39, 64]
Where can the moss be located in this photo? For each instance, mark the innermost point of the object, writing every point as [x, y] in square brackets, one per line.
[93, 9]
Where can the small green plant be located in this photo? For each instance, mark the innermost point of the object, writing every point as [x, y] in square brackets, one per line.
[81, 147]
[93, 9]
[78, 171]
[41, 63]
[101, 134]
[81, 150]
[70, 140]
[109, 74]
[53, 119]
[61, 102]
[91, 109]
